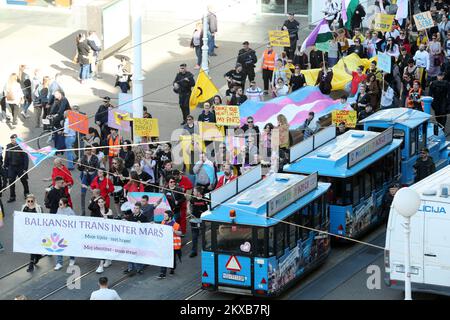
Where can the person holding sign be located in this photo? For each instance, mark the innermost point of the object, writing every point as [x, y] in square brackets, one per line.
[207, 115]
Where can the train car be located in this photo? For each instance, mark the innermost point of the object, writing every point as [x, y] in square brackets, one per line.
[251, 244]
[417, 132]
[429, 240]
[360, 165]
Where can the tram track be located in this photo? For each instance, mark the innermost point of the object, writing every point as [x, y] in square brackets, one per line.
[14, 271]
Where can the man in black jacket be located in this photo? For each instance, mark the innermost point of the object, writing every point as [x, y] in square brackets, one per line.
[16, 163]
[439, 90]
[83, 50]
[101, 117]
[424, 166]
[183, 83]
[247, 58]
[54, 195]
[236, 77]
[292, 26]
[60, 105]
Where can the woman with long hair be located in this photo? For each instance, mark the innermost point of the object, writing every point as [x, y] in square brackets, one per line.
[32, 206]
[197, 43]
[134, 184]
[40, 101]
[14, 96]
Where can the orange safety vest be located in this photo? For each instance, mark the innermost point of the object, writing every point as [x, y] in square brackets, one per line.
[113, 152]
[176, 238]
[269, 60]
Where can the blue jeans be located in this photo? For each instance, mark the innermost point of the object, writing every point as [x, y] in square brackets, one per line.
[85, 71]
[198, 52]
[135, 266]
[211, 43]
[26, 105]
[69, 141]
[86, 179]
[60, 259]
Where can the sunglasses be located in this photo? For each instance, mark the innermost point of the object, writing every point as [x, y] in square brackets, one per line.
[30, 201]
[249, 122]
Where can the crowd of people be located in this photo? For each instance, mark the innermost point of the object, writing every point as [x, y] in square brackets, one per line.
[109, 167]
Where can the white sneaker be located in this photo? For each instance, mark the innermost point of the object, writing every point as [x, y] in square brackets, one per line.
[99, 269]
[23, 114]
[58, 267]
[72, 262]
[107, 263]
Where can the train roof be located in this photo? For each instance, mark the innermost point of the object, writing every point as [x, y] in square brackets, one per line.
[269, 200]
[407, 117]
[432, 187]
[345, 155]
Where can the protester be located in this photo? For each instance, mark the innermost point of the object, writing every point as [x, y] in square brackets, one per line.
[32, 206]
[136, 216]
[175, 197]
[87, 166]
[104, 293]
[280, 72]
[310, 126]
[102, 211]
[254, 93]
[341, 129]
[126, 153]
[101, 117]
[440, 92]
[387, 97]
[64, 209]
[281, 88]
[413, 100]
[148, 209]
[207, 115]
[236, 77]
[60, 170]
[358, 77]
[297, 80]
[169, 221]
[185, 184]
[324, 79]
[113, 140]
[103, 183]
[198, 205]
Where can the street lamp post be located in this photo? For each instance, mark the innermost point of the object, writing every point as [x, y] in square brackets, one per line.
[138, 78]
[204, 65]
[406, 202]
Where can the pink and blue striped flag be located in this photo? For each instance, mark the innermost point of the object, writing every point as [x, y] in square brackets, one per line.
[36, 156]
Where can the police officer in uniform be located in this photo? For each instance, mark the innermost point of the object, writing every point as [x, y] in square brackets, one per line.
[247, 58]
[16, 163]
[182, 85]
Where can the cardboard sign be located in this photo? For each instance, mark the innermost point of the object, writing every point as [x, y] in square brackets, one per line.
[227, 115]
[78, 122]
[384, 62]
[349, 117]
[211, 132]
[146, 127]
[119, 120]
[279, 38]
[383, 22]
[423, 20]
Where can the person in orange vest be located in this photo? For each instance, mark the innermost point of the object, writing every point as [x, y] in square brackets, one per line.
[113, 139]
[169, 221]
[268, 60]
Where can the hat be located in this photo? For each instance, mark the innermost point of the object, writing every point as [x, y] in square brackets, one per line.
[183, 65]
[238, 65]
[245, 42]
[106, 99]
[13, 136]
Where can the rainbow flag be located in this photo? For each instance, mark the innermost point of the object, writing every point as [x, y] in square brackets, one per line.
[134, 197]
[36, 156]
[294, 106]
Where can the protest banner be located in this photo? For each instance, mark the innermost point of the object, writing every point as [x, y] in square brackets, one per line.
[211, 131]
[279, 38]
[227, 115]
[423, 20]
[78, 122]
[383, 22]
[346, 116]
[384, 62]
[119, 120]
[91, 237]
[146, 127]
[125, 102]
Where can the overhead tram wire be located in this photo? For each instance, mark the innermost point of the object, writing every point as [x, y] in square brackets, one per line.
[166, 86]
[252, 213]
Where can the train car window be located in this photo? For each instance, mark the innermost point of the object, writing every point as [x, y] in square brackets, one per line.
[280, 235]
[306, 221]
[412, 142]
[400, 134]
[340, 191]
[389, 167]
[292, 241]
[356, 190]
[378, 174]
[316, 210]
[422, 136]
[367, 185]
[235, 239]
[261, 242]
[271, 242]
[325, 213]
[207, 233]
[376, 129]
[296, 219]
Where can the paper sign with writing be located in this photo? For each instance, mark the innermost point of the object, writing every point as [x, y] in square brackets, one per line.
[383, 22]
[423, 20]
[279, 38]
[146, 127]
[227, 115]
[78, 122]
[384, 62]
[346, 116]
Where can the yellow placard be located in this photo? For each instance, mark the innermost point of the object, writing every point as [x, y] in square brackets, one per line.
[279, 38]
[383, 22]
[227, 115]
[349, 117]
[423, 20]
[211, 131]
[146, 127]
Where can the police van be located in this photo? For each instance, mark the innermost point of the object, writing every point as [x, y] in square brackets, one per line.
[430, 239]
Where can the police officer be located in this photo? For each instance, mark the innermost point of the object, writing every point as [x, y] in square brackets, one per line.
[16, 163]
[247, 58]
[292, 26]
[101, 117]
[182, 85]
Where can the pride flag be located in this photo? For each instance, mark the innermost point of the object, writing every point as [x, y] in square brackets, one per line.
[134, 197]
[36, 156]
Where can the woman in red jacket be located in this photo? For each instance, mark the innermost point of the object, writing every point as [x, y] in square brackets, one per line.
[134, 185]
[104, 184]
[60, 170]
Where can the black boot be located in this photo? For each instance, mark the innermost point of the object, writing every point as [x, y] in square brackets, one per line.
[30, 267]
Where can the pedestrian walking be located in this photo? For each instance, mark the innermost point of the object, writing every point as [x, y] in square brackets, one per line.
[96, 46]
[197, 43]
[16, 164]
[104, 293]
[40, 100]
[135, 216]
[64, 209]
[84, 54]
[182, 85]
[31, 206]
[212, 24]
[103, 183]
[100, 210]
[87, 165]
[14, 96]
[198, 205]
[169, 221]
[54, 194]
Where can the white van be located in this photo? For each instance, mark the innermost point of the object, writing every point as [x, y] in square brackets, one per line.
[430, 239]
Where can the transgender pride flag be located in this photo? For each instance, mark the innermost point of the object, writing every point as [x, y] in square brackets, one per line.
[134, 197]
[36, 156]
[294, 106]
